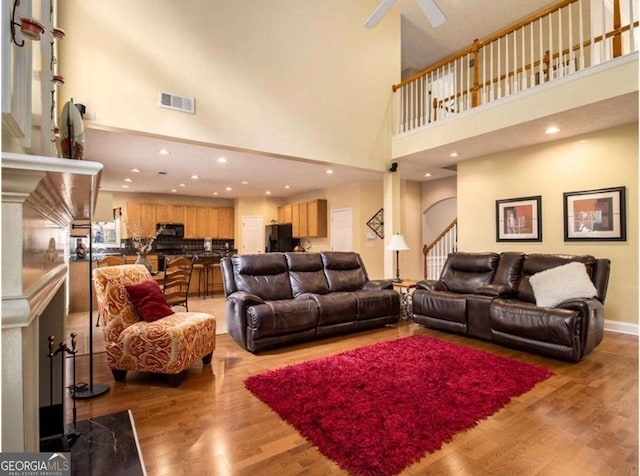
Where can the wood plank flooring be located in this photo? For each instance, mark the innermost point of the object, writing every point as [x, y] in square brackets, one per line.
[582, 421]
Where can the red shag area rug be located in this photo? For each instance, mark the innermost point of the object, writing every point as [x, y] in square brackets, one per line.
[376, 409]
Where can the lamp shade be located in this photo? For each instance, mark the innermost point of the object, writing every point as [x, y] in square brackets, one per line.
[397, 243]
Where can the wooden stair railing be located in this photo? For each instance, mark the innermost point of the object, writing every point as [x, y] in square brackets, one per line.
[436, 252]
[558, 40]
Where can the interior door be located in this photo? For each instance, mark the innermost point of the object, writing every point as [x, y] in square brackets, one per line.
[342, 229]
[252, 235]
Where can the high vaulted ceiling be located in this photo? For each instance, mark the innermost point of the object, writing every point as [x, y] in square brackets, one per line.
[422, 45]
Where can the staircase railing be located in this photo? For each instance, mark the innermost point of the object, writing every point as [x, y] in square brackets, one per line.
[557, 41]
[436, 252]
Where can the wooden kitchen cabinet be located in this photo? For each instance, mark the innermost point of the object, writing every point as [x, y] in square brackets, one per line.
[79, 283]
[196, 222]
[295, 220]
[308, 219]
[170, 214]
[190, 221]
[140, 219]
[317, 218]
[213, 227]
[205, 222]
[304, 219]
[225, 223]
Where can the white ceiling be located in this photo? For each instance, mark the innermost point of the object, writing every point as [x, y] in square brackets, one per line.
[120, 152]
[422, 45]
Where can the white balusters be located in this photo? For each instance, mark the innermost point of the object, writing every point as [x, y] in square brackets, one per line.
[550, 46]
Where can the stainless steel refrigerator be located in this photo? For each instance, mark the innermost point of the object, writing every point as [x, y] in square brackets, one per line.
[279, 238]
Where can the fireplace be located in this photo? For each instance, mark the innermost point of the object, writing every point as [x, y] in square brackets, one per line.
[40, 198]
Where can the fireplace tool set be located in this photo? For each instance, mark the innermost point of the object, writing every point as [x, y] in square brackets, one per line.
[53, 425]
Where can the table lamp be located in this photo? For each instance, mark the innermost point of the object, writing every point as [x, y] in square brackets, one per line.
[397, 244]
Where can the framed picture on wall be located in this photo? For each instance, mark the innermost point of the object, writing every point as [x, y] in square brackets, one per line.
[519, 219]
[595, 215]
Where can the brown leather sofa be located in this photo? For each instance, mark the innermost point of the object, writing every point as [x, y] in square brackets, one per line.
[489, 296]
[276, 299]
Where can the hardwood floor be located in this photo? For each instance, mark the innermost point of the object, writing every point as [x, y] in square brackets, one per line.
[582, 421]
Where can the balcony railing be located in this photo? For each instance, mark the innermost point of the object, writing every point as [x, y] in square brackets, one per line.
[565, 38]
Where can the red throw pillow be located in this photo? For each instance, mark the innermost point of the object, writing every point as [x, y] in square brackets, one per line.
[149, 301]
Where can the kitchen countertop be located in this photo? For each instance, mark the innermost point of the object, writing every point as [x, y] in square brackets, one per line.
[98, 255]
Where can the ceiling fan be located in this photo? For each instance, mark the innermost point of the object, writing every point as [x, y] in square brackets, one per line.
[429, 8]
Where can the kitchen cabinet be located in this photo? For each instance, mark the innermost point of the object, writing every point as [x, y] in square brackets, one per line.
[225, 223]
[317, 218]
[199, 222]
[285, 214]
[170, 213]
[213, 229]
[295, 219]
[304, 219]
[308, 219]
[196, 222]
[79, 283]
[190, 221]
[139, 219]
[202, 222]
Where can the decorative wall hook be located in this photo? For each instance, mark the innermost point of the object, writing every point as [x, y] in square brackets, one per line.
[30, 28]
[16, 4]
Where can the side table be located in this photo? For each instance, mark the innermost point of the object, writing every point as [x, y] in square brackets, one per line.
[405, 288]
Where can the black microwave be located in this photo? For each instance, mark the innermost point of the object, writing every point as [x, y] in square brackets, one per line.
[174, 230]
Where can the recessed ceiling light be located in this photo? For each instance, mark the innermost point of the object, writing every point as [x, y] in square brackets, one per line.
[163, 152]
[183, 185]
[125, 186]
[128, 180]
[428, 174]
[287, 187]
[222, 160]
[268, 192]
[228, 189]
[244, 182]
[454, 154]
[194, 177]
[173, 190]
[329, 171]
[214, 193]
[135, 171]
[552, 130]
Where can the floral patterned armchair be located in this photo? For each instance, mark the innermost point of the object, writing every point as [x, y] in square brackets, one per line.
[168, 345]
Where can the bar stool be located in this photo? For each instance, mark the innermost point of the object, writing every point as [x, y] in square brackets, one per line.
[204, 267]
[200, 267]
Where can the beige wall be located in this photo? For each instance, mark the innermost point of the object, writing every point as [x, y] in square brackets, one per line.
[298, 78]
[411, 261]
[602, 159]
[434, 191]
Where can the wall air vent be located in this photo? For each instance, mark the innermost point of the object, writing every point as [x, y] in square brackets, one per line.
[177, 102]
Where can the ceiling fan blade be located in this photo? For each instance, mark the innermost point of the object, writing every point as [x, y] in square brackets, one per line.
[379, 12]
[432, 11]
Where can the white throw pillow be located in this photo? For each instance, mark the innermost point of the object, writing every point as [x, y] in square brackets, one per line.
[554, 285]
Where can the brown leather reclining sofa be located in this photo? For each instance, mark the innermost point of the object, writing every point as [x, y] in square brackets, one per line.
[276, 299]
[489, 296]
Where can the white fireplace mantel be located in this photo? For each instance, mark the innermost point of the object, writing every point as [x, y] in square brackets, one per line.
[41, 196]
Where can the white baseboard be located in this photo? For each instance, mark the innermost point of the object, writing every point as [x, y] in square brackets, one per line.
[622, 327]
